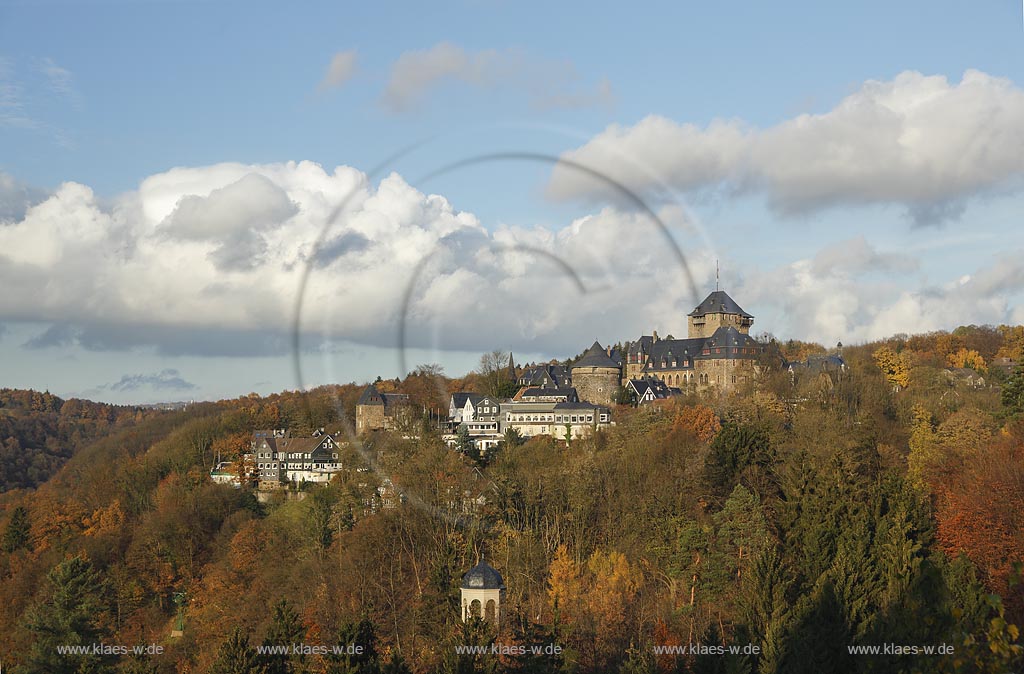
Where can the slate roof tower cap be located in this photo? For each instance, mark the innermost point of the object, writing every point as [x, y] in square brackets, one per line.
[596, 356]
[370, 396]
[483, 576]
[719, 302]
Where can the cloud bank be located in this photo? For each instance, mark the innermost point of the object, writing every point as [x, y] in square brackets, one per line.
[917, 142]
[208, 261]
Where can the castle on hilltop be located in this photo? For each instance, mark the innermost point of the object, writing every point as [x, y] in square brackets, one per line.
[573, 399]
[718, 352]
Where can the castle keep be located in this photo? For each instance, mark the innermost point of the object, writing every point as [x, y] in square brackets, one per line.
[718, 350]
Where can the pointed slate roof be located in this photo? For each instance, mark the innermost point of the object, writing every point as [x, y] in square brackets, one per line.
[483, 576]
[719, 302]
[595, 356]
[370, 396]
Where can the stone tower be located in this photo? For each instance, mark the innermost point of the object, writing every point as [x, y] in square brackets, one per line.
[369, 410]
[718, 310]
[483, 593]
[596, 376]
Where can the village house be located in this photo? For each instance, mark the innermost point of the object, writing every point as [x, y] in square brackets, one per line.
[648, 390]
[281, 458]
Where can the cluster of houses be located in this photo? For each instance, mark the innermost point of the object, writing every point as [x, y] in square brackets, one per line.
[573, 399]
[565, 401]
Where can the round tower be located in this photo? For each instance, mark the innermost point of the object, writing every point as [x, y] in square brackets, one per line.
[596, 376]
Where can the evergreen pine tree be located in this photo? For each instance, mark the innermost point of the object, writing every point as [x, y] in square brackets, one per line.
[285, 630]
[1013, 392]
[236, 656]
[72, 616]
[766, 608]
[16, 535]
[357, 643]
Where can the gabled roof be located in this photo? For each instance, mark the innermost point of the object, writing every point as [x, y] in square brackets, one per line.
[719, 302]
[664, 351]
[303, 445]
[642, 345]
[459, 398]
[536, 374]
[595, 356]
[483, 576]
[656, 386]
[729, 336]
[544, 391]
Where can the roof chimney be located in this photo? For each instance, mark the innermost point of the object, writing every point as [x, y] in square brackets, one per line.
[655, 335]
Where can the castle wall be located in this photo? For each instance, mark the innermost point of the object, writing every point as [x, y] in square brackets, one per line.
[721, 373]
[705, 326]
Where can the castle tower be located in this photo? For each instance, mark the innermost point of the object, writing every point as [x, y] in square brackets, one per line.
[596, 376]
[718, 310]
[483, 593]
[369, 410]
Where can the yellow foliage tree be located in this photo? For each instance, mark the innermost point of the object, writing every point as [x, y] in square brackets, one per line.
[967, 358]
[1013, 342]
[615, 584]
[565, 587]
[895, 366]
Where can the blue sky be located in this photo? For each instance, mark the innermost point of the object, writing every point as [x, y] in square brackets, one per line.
[852, 174]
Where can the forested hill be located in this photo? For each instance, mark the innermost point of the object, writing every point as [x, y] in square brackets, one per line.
[818, 509]
[39, 432]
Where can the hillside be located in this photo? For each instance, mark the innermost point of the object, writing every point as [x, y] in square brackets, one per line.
[803, 514]
[39, 432]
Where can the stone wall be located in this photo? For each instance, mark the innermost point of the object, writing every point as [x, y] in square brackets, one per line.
[599, 385]
[369, 418]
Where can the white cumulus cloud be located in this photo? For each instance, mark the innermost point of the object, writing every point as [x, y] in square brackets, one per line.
[920, 142]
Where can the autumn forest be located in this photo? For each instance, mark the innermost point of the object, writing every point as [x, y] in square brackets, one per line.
[881, 505]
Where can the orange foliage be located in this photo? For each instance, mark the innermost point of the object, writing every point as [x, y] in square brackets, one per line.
[981, 512]
[105, 520]
[699, 420]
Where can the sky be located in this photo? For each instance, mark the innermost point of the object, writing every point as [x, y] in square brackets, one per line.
[204, 199]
